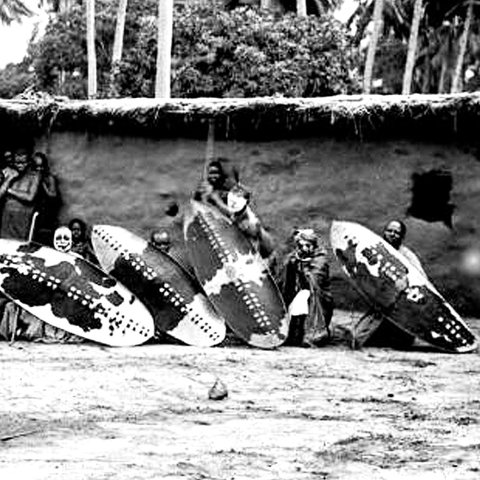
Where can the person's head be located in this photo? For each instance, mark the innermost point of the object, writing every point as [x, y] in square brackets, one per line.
[160, 239]
[237, 200]
[306, 242]
[394, 233]
[62, 239]
[215, 174]
[21, 159]
[79, 230]
[40, 161]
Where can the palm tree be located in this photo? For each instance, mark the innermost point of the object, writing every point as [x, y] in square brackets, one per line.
[394, 19]
[164, 48]
[372, 46]
[437, 37]
[412, 47]
[13, 11]
[91, 54]
[457, 76]
[302, 8]
[118, 42]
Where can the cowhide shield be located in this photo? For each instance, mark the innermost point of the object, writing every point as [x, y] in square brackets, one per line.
[177, 304]
[235, 277]
[70, 293]
[391, 284]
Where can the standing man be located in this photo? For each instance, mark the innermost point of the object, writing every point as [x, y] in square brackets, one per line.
[48, 200]
[19, 191]
[304, 280]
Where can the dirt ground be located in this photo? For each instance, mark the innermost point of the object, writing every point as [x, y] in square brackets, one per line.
[90, 412]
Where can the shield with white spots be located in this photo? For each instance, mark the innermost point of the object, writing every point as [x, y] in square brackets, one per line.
[177, 304]
[70, 293]
[235, 277]
[395, 287]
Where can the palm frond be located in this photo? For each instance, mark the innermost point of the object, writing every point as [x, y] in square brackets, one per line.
[13, 11]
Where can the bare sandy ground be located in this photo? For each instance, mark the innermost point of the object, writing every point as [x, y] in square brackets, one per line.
[90, 412]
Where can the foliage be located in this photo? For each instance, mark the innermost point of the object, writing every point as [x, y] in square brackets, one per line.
[390, 62]
[60, 57]
[14, 79]
[440, 30]
[246, 53]
[215, 53]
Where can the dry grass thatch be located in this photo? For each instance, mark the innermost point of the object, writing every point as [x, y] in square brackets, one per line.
[441, 117]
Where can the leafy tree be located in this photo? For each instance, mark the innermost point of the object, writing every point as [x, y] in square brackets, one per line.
[60, 56]
[390, 60]
[15, 79]
[244, 52]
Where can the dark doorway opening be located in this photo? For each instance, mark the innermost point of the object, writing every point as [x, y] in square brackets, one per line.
[431, 196]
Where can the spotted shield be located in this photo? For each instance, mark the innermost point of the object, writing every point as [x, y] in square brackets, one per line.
[395, 287]
[177, 304]
[70, 293]
[235, 277]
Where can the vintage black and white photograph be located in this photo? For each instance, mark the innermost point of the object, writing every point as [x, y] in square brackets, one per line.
[240, 239]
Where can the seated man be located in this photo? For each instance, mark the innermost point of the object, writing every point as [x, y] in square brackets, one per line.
[373, 329]
[160, 240]
[304, 280]
[80, 240]
[220, 177]
[394, 233]
[221, 188]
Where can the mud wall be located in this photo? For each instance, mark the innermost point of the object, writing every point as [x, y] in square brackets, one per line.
[130, 181]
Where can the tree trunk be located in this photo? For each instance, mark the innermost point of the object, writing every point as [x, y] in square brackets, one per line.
[302, 8]
[92, 57]
[164, 48]
[372, 46]
[412, 47]
[319, 7]
[443, 76]
[457, 77]
[265, 4]
[426, 77]
[117, 43]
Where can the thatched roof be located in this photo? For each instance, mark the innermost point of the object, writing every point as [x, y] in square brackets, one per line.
[430, 117]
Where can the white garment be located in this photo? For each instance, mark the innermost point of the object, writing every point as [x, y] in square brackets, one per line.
[299, 305]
